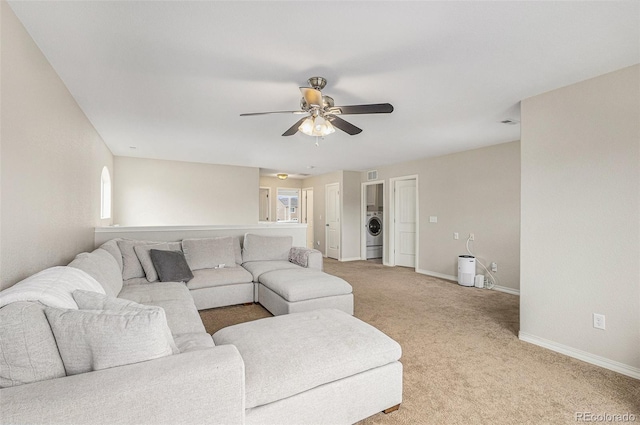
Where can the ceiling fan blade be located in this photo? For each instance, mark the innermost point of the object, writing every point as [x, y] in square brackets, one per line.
[274, 112]
[312, 96]
[343, 125]
[294, 128]
[375, 108]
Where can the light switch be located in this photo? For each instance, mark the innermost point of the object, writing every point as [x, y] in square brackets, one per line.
[433, 219]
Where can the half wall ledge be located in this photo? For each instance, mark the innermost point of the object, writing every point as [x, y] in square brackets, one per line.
[175, 233]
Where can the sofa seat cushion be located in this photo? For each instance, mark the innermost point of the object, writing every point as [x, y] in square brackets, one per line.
[257, 268]
[193, 341]
[304, 284]
[287, 355]
[207, 278]
[174, 298]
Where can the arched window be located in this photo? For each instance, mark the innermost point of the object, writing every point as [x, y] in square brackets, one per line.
[105, 194]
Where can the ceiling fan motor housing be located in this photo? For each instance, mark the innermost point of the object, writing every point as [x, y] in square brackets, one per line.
[317, 83]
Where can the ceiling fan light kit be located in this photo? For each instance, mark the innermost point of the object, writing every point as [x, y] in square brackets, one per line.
[322, 118]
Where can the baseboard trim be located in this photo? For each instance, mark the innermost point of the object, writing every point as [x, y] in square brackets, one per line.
[438, 275]
[613, 365]
[506, 290]
[350, 259]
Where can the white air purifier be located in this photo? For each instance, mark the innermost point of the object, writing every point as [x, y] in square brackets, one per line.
[466, 270]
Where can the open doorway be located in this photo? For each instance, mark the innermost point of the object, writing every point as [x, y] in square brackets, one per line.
[373, 235]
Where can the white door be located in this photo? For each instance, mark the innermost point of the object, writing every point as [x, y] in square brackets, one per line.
[405, 223]
[264, 204]
[309, 216]
[333, 220]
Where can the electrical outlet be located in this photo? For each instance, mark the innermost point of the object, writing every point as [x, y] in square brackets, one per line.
[494, 267]
[598, 321]
[456, 236]
[472, 237]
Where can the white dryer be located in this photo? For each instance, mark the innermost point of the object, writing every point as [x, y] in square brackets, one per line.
[374, 235]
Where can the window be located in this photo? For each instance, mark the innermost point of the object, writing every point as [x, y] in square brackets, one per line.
[105, 194]
[287, 206]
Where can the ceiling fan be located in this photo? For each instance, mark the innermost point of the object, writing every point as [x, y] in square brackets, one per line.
[321, 113]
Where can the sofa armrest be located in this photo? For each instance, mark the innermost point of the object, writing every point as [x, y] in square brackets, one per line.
[306, 257]
[204, 386]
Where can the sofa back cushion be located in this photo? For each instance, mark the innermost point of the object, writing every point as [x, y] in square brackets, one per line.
[100, 265]
[266, 248]
[52, 287]
[111, 246]
[209, 253]
[28, 350]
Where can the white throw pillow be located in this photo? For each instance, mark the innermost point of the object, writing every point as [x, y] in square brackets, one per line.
[142, 251]
[87, 300]
[91, 340]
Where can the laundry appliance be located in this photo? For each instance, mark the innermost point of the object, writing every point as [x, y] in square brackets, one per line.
[374, 235]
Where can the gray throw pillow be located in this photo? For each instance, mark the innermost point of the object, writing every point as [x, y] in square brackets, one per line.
[91, 340]
[171, 266]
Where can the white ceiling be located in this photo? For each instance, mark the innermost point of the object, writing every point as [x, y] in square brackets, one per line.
[171, 78]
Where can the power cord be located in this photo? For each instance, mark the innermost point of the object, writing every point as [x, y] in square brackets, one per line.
[491, 282]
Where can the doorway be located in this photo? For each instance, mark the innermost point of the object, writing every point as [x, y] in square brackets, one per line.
[404, 220]
[332, 226]
[374, 231]
[307, 214]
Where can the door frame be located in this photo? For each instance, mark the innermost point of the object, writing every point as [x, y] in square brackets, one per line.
[363, 218]
[268, 202]
[392, 220]
[326, 225]
[304, 193]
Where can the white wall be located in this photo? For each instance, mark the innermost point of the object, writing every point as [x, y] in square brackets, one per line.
[581, 218]
[150, 192]
[476, 191]
[51, 162]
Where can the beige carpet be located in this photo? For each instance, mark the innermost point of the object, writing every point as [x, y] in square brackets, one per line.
[463, 362]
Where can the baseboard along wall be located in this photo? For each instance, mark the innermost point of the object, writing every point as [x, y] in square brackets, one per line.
[613, 365]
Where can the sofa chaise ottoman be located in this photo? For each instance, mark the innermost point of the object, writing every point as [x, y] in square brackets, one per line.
[322, 366]
[291, 291]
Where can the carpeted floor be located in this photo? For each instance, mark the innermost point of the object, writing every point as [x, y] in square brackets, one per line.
[463, 362]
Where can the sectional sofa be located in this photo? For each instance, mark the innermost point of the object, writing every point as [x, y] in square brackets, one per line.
[96, 342]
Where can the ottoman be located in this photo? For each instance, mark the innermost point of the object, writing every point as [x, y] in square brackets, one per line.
[297, 290]
[322, 366]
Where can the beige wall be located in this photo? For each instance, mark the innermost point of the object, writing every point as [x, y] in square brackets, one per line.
[351, 215]
[274, 183]
[476, 191]
[318, 184]
[51, 162]
[581, 217]
[150, 192]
